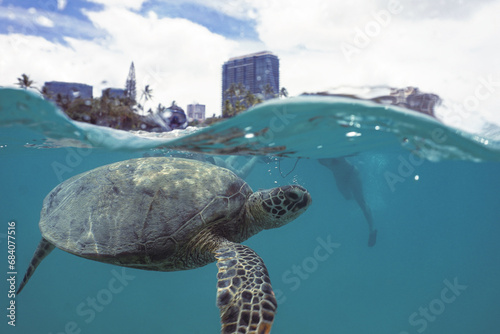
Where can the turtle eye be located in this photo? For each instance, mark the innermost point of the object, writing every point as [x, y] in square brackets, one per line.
[292, 195]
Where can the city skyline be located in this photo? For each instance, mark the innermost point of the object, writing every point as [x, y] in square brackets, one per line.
[255, 71]
[179, 46]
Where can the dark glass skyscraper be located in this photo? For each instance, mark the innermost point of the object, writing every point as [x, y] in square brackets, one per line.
[254, 71]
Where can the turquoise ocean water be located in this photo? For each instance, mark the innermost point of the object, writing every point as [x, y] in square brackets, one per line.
[432, 190]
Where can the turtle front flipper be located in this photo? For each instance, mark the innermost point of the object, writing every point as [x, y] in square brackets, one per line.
[244, 294]
[43, 249]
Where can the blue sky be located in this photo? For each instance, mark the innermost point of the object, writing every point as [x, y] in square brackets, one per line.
[62, 24]
[20, 17]
[215, 21]
[71, 8]
[72, 11]
[448, 47]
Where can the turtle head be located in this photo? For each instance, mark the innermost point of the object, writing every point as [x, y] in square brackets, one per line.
[276, 207]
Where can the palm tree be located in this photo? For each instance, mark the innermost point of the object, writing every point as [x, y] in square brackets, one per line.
[147, 94]
[160, 109]
[24, 82]
[238, 99]
[235, 90]
[283, 92]
[268, 90]
[46, 93]
[251, 99]
[228, 110]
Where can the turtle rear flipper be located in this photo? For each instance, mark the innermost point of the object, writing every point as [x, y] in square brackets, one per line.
[244, 294]
[43, 249]
[372, 239]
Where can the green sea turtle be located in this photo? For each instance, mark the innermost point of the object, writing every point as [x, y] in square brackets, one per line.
[169, 214]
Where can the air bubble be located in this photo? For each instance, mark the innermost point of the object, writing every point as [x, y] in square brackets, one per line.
[353, 134]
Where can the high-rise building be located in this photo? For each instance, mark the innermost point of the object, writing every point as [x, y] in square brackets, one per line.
[255, 71]
[196, 111]
[68, 91]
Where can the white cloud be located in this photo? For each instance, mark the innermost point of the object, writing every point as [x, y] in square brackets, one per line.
[446, 55]
[129, 4]
[444, 46]
[61, 4]
[239, 9]
[28, 21]
[179, 59]
[44, 21]
[447, 52]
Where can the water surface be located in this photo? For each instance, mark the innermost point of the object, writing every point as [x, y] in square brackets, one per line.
[432, 190]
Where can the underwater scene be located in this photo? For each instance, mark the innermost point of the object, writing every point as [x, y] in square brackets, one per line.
[401, 236]
[264, 166]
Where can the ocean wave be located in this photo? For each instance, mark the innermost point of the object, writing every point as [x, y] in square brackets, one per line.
[304, 126]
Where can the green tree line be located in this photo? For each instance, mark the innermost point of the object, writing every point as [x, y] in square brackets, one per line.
[121, 112]
[239, 98]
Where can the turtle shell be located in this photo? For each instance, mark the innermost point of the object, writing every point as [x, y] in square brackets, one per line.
[146, 213]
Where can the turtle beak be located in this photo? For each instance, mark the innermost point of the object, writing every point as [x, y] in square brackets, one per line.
[306, 200]
[300, 196]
